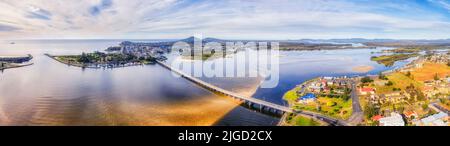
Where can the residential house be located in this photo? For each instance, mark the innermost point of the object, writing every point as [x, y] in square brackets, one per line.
[393, 97]
[394, 120]
[439, 119]
[410, 114]
[307, 98]
[366, 91]
[380, 82]
[377, 117]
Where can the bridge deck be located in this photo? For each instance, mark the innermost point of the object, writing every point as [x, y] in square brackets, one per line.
[327, 119]
[226, 92]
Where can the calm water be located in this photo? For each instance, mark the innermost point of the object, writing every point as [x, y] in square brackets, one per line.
[51, 93]
[299, 66]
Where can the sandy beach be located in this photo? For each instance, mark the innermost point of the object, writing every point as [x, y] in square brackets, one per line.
[363, 68]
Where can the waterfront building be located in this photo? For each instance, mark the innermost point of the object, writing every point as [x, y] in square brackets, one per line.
[15, 59]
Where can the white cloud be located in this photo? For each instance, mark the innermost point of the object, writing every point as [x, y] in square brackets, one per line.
[229, 19]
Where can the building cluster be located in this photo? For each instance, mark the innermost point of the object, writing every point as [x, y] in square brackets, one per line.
[396, 119]
[136, 49]
[431, 89]
[439, 58]
[325, 84]
[434, 88]
[439, 119]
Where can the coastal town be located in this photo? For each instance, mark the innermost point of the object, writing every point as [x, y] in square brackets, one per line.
[126, 54]
[414, 94]
[417, 94]
[8, 62]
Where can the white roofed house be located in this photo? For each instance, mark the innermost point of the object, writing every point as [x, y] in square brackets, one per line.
[394, 120]
[439, 119]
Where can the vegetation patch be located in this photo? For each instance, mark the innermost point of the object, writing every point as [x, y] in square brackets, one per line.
[389, 60]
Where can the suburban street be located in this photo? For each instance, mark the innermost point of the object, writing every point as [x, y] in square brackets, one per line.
[357, 114]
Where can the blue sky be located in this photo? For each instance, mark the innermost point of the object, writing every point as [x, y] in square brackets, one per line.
[230, 19]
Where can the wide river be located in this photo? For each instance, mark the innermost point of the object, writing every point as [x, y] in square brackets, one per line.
[51, 93]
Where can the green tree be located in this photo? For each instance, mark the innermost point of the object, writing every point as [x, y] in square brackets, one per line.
[436, 77]
[381, 76]
[366, 80]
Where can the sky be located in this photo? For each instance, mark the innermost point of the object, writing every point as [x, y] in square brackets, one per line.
[226, 19]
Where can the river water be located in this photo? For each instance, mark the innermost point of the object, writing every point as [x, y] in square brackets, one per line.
[51, 93]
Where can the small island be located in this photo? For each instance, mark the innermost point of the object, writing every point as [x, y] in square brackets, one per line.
[416, 94]
[404, 50]
[389, 60]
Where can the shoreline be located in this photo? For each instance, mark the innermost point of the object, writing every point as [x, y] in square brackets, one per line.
[17, 66]
[283, 120]
[98, 66]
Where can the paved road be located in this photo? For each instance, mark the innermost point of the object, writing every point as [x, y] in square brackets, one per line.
[357, 114]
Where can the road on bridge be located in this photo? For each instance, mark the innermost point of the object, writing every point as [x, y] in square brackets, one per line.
[357, 114]
[330, 120]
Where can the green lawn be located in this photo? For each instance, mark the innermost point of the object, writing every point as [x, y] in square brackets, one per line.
[334, 107]
[304, 121]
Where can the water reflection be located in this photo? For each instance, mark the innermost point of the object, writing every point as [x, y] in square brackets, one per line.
[51, 93]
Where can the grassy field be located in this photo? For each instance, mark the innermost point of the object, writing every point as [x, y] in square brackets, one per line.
[334, 107]
[298, 120]
[400, 80]
[304, 121]
[429, 70]
[405, 50]
[291, 96]
[445, 103]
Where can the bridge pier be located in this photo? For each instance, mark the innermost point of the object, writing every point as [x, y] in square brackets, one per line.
[248, 101]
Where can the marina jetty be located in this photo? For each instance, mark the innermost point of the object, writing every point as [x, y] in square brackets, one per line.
[16, 59]
[7, 62]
